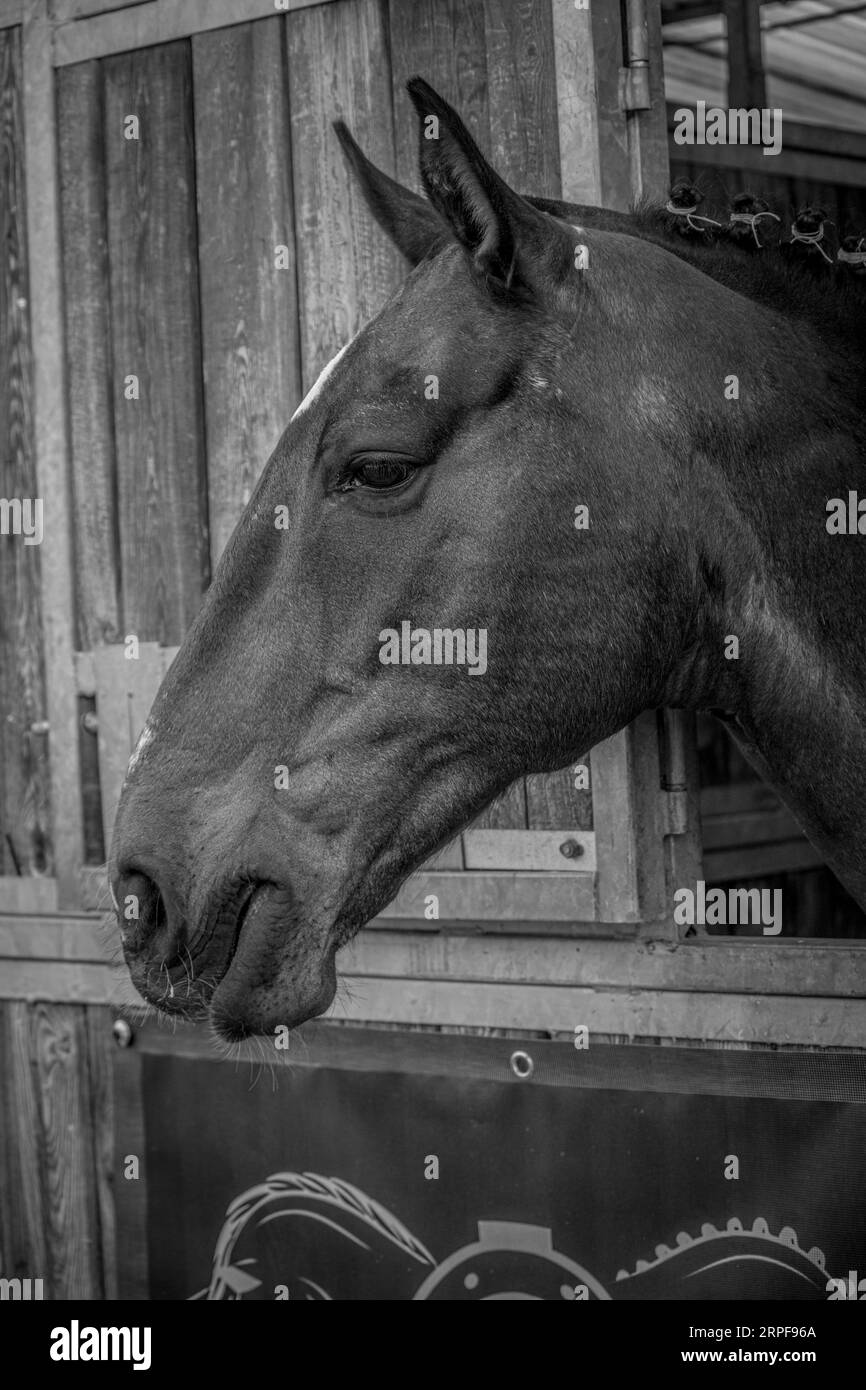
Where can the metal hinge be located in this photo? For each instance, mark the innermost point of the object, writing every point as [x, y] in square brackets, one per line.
[675, 811]
[634, 87]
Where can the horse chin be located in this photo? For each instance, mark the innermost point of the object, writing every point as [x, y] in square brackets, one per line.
[280, 972]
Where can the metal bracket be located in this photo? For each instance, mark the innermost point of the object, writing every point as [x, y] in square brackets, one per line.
[634, 92]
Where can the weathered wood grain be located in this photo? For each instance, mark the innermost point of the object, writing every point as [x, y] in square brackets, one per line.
[50, 438]
[149, 22]
[250, 343]
[553, 802]
[80, 134]
[442, 41]
[58, 1047]
[524, 133]
[25, 833]
[161, 483]
[22, 1210]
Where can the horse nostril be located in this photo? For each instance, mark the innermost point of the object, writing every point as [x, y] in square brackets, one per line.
[144, 917]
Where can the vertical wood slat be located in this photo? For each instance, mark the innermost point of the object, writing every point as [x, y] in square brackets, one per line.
[80, 122]
[524, 136]
[338, 66]
[627, 814]
[25, 832]
[51, 445]
[162, 490]
[577, 110]
[249, 307]
[746, 82]
[607, 40]
[58, 1049]
[125, 691]
[23, 1247]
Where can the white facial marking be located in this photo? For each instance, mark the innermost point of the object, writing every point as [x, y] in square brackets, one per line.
[316, 389]
[144, 742]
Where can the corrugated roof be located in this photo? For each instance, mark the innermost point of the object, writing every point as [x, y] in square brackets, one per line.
[814, 60]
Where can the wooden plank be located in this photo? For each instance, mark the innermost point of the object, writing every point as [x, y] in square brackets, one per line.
[746, 83]
[100, 1049]
[155, 22]
[58, 1042]
[577, 110]
[616, 174]
[88, 353]
[444, 41]
[553, 802]
[508, 811]
[161, 482]
[338, 66]
[686, 1017]
[69, 982]
[125, 691]
[524, 133]
[25, 798]
[62, 11]
[497, 897]
[249, 307]
[716, 964]
[28, 894]
[534, 850]
[51, 443]
[811, 1021]
[22, 1204]
[52, 936]
[628, 825]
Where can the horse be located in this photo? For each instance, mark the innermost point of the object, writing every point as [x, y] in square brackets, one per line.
[699, 406]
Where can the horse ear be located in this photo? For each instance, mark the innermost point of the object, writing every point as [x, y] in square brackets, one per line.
[409, 220]
[499, 229]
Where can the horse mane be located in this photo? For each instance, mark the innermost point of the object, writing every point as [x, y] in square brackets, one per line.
[832, 302]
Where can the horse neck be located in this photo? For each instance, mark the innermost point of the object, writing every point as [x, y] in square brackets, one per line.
[795, 596]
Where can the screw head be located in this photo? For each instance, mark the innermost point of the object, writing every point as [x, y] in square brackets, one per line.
[571, 849]
[122, 1032]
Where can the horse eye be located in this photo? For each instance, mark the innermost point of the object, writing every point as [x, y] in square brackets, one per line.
[379, 474]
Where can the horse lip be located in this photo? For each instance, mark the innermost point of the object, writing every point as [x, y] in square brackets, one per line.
[241, 908]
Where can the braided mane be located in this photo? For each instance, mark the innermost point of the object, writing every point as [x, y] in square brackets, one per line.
[833, 300]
